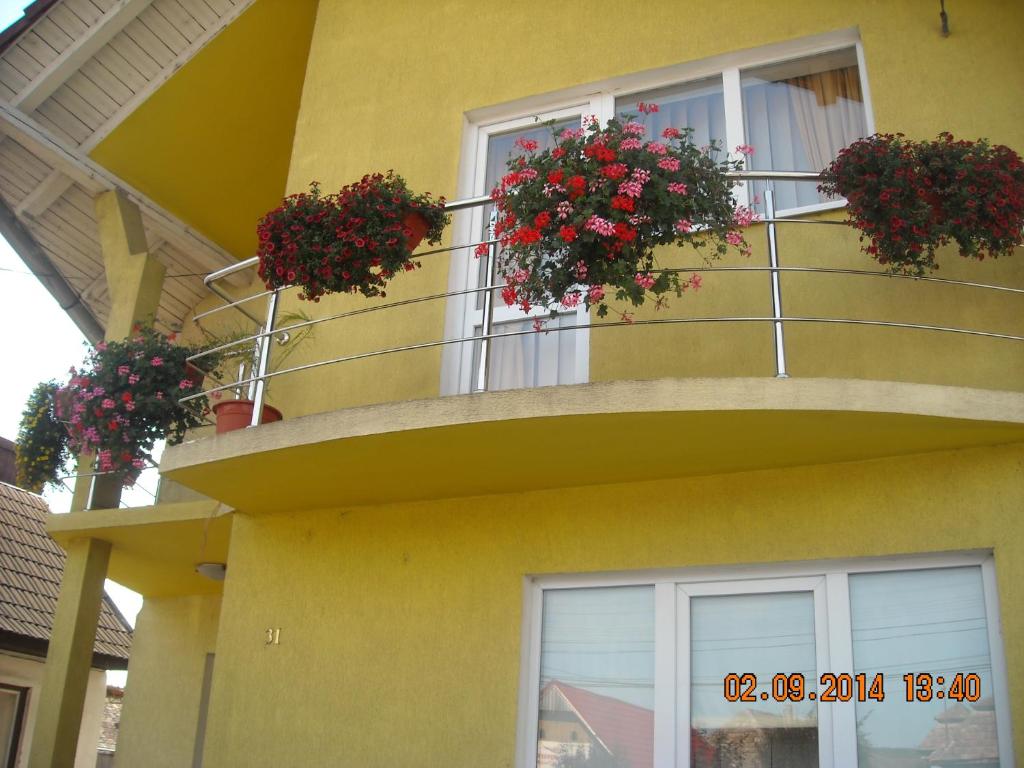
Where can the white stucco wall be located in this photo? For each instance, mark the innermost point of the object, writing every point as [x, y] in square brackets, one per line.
[27, 672]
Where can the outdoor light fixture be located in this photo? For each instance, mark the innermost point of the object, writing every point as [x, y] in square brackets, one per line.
[215, 571]
[944, 18]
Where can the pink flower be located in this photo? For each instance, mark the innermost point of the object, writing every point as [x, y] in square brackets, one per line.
[656, 148]
[745, 149]
[641, 175]
[645, 281]
[602, 226]
[568, 134]
[107, 403]
[185, 384]
[595, 293]
[677, 187]
[683, 225]
[581, 270]
[99, 392]
[634, 129]
[528, 145]
[571, 299]
[734, 238]
[631, 143]
[538, 324]
[695, 281]
[159, 395]
[138, 463]
[102, 346]
[671, 133]
[631, 188]
[669, 164]
[647, 108]
[564, 209]
[157, 361]
[122, 370]
[744, 216]
[133, 378]
[129, 406]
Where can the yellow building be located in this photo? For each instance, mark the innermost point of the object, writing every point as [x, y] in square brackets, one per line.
[820, 484]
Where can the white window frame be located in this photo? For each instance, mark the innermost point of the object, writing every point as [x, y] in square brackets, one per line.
[827, 579]
[598, 98]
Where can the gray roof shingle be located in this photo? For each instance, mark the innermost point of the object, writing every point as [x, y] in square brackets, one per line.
[31, 567]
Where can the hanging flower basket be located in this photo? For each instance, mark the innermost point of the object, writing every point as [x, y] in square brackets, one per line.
[908, 198]
[583, 219]
[353, 241]
[117, 405]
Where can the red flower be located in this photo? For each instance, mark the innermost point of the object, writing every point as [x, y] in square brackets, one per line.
[542, 220]
[555, 177]
[567, 233]
[126, 397]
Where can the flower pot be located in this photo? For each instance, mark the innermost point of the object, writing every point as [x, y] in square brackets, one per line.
[419, 226]
[196, 376]
[237, 414]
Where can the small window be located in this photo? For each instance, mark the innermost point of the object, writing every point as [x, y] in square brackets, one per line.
[12, 715]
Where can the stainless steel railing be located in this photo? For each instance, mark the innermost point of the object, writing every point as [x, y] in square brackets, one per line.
[255, 379]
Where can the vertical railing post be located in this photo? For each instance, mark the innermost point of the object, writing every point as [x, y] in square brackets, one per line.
[263, 361]
[773, 260]
[483, 372]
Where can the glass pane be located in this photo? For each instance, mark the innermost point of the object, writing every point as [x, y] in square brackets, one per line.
[763, 634]
[798, 115]
[500, 149]
[534, 359]
[9, 701]
[924, 623]
[699, 105]
[597, 679]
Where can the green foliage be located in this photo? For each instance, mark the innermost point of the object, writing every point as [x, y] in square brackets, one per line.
[352, 241]
[910, 197]
[42, 449]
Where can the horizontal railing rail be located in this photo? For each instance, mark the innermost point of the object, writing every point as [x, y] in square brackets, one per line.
[256, 378]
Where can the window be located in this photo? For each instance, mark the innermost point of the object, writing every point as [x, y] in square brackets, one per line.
[12, 715]
[861, 663]
[796, 103]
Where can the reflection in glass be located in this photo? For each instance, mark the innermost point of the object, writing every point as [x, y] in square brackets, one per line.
[531, 359]
[798, 115]
[596, 705]
[763, 634]
[923, 622]
[699, 106]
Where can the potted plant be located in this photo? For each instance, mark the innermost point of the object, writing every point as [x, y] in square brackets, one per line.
[910, 197]
[116, 406]
[42, 449]
[352, 241]
[588, 214]
[236, 413]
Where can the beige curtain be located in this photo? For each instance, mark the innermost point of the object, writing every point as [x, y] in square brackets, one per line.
[829, 111]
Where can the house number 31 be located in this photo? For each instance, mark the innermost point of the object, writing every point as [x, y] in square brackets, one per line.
[273, 636]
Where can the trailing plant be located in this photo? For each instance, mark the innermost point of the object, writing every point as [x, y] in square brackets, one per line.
[908, 198]
[352, 241]
[587, 214]
[121, 400]
[42, 448]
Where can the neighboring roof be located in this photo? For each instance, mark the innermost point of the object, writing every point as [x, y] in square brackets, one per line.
[625, 730]
[963, 736]
[31, 567]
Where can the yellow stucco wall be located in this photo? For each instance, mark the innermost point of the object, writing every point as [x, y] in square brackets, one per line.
[406, 619]
[213, 145]
[161, 706]
[461, 56]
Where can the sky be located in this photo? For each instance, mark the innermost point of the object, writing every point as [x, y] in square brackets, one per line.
[39, 342]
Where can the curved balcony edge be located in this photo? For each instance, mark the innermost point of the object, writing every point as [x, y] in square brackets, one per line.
[607, 432]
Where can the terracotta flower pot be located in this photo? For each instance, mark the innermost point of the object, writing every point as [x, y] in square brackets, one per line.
[237, 414]
[419, 227]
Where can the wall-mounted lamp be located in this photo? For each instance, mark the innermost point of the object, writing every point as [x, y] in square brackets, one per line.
[215, 571]
[944, 18]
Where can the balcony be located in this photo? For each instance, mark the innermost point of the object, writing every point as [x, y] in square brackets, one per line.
[801, 354]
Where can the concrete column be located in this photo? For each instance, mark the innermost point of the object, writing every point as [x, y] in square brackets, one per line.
[135, 280]
[59, 716]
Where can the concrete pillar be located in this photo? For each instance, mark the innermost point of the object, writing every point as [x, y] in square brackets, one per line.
[59, 716]
[135, 280]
